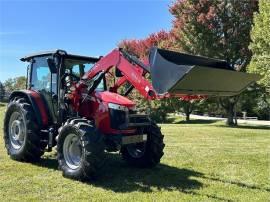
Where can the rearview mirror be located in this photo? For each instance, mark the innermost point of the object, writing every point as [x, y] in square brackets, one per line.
[52, 65]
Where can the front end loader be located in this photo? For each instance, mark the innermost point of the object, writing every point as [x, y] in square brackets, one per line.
[69, 103]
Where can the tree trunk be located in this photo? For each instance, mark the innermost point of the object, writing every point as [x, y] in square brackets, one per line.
[229, 105]
[230, 114]
[267, 103]
[188, 109]
[235, 116]
[187, 117]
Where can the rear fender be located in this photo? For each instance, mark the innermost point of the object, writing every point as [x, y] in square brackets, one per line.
[37, 104]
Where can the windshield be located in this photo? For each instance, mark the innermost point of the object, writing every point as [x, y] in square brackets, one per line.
[79, 68]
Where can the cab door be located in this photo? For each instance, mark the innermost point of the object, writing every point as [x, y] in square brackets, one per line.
[44, 82]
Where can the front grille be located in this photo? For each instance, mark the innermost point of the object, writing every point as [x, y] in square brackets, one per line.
[122, 120]
[118, 118]
[136, 120]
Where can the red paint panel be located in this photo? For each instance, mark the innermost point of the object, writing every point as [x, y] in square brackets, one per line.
[107, 96]
[40, 104]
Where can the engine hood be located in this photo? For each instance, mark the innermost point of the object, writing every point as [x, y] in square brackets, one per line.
[107, 96]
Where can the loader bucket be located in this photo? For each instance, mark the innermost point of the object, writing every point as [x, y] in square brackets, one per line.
[178, 73]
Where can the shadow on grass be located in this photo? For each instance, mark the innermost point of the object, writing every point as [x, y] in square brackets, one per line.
[263, 127]
[194, 121]
[2, 105]
[173, 120]
[50, 163]
[118, 177]
[240, 184]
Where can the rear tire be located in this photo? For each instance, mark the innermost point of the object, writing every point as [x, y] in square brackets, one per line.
[146, 154]
[21, 132]
[80, 150]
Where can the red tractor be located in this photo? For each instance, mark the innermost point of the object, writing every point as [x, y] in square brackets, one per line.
[68, 104]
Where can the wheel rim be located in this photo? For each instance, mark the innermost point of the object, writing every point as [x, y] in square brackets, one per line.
[136, 150]
[72, 150]
[17, 130]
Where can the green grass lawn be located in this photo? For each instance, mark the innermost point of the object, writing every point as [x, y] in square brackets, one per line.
[202, 162]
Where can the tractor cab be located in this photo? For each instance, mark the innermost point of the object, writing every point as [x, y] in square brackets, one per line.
[53, 73]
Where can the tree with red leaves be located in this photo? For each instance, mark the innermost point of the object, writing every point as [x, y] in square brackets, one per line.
[141, 47]
[215, 28]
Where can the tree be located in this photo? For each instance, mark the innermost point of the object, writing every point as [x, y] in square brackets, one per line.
[218, 29]
[141, 47]
[184, 104]
[187, 107]
[260, 47]
[16, 83]
[254, 102]
[2, 92]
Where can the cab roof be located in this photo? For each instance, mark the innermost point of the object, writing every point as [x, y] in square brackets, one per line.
[27, 58]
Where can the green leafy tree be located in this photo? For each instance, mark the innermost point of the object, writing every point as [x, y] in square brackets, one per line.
[187, 107]
[252, 101]
[2, 92]
[210, 106]
[9, 84]
[260, 48]
[17, 83]
[218, 29]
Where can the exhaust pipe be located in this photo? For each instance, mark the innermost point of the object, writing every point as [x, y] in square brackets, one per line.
[179, 73]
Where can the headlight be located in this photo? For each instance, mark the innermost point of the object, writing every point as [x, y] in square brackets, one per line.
[133, 108]
[117, 107]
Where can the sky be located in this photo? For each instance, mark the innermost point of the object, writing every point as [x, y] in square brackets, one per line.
[87, 27]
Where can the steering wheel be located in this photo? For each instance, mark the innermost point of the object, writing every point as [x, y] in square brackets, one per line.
[71, 75]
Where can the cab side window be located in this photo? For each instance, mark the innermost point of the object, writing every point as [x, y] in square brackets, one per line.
[41, 76]
[77, 70]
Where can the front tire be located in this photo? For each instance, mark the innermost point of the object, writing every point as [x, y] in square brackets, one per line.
[146, 154]
[80, 150]
[21, 132]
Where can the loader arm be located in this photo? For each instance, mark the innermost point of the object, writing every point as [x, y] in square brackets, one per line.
[133, 72]
[174, 74]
